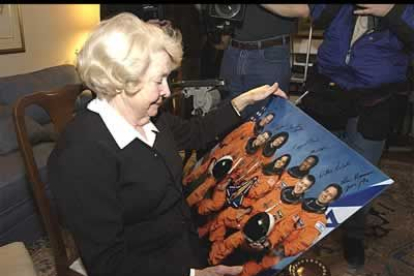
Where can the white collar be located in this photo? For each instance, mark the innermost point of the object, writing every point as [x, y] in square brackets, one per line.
[120, 129]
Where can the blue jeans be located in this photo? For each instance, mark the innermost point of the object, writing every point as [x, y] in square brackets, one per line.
[246, 69]
[369, 149]
[355, 226]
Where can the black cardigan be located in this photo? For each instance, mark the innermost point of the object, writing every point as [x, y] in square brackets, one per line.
[125, 208]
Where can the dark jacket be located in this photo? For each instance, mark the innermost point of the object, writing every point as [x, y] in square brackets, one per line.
[378, 57]
[125, 207]
[359, 80]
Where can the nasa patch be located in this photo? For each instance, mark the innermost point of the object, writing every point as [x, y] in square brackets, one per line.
[320, 226]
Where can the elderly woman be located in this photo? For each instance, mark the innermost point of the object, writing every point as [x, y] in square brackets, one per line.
[116, 173]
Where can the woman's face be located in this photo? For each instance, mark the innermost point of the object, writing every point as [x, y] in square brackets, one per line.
[261, 139]
[146, 102]
[278, 141]
[267, 119]
[281, 162]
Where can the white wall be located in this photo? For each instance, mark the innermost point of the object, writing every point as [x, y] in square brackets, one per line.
[52, 34]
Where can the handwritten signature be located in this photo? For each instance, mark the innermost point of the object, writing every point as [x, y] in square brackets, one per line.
[309, 141]
[339, 166]
[358, 180]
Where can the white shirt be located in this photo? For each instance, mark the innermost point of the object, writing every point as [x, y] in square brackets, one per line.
[361, 27]
[122, 131]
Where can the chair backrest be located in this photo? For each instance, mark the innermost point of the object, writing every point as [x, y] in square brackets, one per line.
[60, 105]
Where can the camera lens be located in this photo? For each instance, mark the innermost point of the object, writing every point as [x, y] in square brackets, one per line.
[227, 11]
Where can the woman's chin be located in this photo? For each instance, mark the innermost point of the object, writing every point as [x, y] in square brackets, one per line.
[153, 111]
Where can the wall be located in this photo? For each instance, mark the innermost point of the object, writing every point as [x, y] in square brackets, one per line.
[52, 34]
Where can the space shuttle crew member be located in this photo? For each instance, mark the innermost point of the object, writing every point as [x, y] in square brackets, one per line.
[248, 178]
[245, 130]
[269, 179]
[249, 128]
[115, 171]
[295, 235]
[238, 151]
[264, 183]
[291, 176]
[281, 206]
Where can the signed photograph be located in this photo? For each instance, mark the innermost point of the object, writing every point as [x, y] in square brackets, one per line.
[274, 187]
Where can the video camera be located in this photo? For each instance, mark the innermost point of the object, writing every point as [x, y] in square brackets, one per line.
[143, 11]
[150, 11]
[223, 18]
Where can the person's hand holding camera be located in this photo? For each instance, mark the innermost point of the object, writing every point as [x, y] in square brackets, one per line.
[379, 10]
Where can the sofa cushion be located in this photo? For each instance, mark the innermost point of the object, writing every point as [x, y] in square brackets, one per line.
[16, 261]
[8, 141]
[15, 191]
[13, 87]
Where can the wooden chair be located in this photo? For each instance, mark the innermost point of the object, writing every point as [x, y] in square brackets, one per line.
[59, 105]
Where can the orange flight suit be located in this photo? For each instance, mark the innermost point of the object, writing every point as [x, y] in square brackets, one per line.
[236, 218]
[264, 185]
[237, 151]
[230, 143]
[210, 205]
[198, 194]
[305, 233]
[242, 172]
[296, 235]
[272, 204]
[245, 129]
[288, 180]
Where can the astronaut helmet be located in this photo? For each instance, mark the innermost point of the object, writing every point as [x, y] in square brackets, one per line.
[221, 167]
[258, 227]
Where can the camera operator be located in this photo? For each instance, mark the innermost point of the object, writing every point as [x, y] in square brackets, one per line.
[259, 51]
[214, 40]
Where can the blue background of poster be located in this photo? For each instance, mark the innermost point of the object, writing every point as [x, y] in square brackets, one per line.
[338, 163]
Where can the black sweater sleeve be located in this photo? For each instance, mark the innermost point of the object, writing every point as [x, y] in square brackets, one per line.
[197, 132]
[400, 20]
[83, 178]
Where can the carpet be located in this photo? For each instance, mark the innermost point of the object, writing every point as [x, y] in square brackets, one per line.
[389, 235]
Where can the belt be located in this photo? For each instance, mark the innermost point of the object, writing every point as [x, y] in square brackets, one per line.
[256, 45]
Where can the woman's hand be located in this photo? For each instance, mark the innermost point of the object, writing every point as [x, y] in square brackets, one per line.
[219, 270]
[257, 94]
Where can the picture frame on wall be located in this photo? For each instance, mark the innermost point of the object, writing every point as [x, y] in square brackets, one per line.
[11, 29]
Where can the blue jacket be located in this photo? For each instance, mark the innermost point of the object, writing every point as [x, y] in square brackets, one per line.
[376, 58]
